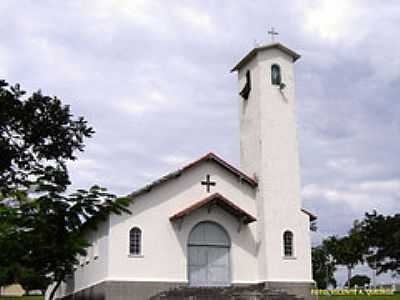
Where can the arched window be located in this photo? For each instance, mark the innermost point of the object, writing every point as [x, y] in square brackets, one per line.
[288, 243]
[135, 241]
[276, 77]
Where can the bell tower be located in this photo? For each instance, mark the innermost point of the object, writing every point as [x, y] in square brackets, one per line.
[269, 152]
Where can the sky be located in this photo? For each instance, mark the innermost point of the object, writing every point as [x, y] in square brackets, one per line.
[152, 78]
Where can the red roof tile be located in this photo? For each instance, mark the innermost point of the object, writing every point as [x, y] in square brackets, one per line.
[218, 200]
[310, 214]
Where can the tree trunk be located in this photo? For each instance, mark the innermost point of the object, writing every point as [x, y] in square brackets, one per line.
[348, 276]
[53, 291]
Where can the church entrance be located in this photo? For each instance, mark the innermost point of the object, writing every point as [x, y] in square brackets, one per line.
[208, 255]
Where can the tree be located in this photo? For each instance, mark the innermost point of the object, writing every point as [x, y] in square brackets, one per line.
[10, 246]
[61, 233]
[382, 234]
[323, 267]
[38, 135]
[30, 280]
[358, 280]
[348, 250]
[42, 230]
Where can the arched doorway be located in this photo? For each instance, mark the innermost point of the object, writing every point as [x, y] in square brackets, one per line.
[208, 255]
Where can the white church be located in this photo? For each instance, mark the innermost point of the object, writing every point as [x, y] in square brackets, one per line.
[210, 224]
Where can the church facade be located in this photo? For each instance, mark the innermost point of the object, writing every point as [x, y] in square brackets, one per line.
[209, 223]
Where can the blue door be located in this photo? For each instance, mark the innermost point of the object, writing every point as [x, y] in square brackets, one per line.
[208, 255]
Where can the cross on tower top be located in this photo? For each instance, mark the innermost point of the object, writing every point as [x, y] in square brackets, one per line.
[272, 33]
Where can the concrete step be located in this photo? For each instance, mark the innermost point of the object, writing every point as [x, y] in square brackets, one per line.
[247, 292]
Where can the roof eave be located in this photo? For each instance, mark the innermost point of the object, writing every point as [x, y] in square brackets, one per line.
[224, 202]
[295, 56]
[210, 156]
[312, 216]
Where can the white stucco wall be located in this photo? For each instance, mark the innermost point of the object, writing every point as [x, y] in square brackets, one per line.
[93, 270]
[165, 245]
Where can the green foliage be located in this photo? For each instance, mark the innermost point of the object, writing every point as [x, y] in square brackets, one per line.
[10, 244]
[37, 136]
[382, 235]
[375, 240]
[30, 280]
[348, 250]
[59, 223]
[323, 267]
[41, 229]
[359, 281]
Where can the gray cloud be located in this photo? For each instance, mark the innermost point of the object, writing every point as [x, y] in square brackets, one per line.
[153, 78]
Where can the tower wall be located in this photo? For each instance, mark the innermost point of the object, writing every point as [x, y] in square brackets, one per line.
[269, 150]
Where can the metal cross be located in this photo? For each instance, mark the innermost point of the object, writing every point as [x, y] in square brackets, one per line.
[272, 33]
[208, 182]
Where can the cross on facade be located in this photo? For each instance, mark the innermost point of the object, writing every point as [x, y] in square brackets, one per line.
[272, 33]
[208, 183]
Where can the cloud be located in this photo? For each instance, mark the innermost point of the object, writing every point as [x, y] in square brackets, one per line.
[346, 202]
[366, 195]
[153, 101]
[175, 160]
[389, 186]
[336, 21]
[3, 61]
[153, 79]
[196, 18]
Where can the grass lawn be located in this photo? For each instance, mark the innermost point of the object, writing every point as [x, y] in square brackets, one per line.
[22, 298]
[361, 297]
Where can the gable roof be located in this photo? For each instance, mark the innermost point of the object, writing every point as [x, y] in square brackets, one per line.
[208, 157]
[295, 56]
[216, 199]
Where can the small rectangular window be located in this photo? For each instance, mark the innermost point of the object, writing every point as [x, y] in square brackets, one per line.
[276, 77]
[288, 243]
